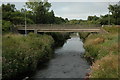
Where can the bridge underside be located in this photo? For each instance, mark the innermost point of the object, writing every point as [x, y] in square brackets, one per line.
[69, 30]
[60, 30]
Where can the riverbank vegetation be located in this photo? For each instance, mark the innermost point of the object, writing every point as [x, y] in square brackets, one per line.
[21, 54]
[102, 51]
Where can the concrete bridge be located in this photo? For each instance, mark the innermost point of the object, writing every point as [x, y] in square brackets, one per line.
[60, 28]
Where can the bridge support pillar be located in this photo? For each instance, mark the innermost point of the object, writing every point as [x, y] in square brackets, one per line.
[35, 31]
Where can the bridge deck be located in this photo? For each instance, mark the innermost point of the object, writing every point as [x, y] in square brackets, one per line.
[60, 28]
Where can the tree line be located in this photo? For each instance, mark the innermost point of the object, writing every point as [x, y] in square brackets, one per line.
[35, 13]
[113, 18]
[40, 13]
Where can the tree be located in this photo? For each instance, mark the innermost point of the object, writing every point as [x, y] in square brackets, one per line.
[115, 10]
[10, 13]
[50, 17]
[40, 9]
[113, 18]
[94, 18]
[59, 20]
[104, 20]
[66, 20]
[6, 26]
[7, 10]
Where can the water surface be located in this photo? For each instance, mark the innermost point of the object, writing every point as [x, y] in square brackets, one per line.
[67, 62]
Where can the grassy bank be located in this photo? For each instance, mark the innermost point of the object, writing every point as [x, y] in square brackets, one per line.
[22, 54]
[102, 51]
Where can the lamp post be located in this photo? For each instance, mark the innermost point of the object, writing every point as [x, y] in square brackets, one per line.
[25, 23]
[109, 16]
[109, 19]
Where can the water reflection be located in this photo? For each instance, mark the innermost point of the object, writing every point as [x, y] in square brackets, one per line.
[67, 62]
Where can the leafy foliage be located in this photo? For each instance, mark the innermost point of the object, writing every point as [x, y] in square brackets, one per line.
[94, 18]
[21, 54]
[42, 13]
[10, 13]
[115, 10]
[6, 26]
[36, 13]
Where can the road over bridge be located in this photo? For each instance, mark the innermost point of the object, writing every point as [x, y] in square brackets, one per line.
[60, 28]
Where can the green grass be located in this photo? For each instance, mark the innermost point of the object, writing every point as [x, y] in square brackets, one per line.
[99, 50]
[102, 51]
[111, 29]
[22, 54]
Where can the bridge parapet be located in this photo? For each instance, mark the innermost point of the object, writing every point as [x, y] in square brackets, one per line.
[57, 26]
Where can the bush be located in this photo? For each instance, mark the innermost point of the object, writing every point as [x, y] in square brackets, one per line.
[6, 26]
[21, 54]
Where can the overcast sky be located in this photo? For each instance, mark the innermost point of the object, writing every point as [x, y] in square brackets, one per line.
[76, 10]
[79, 10]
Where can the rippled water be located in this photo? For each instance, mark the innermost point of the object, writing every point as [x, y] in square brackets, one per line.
[67, 62]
